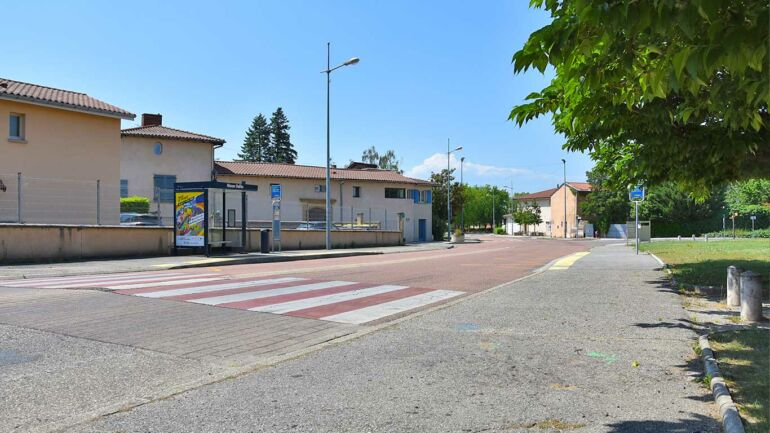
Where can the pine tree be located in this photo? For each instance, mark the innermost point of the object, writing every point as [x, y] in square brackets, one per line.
[281, 147]
[257, 142]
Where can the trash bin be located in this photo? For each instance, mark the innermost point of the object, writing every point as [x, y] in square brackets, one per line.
[264, 241]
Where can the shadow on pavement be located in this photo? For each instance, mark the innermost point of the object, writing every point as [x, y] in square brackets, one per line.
[695, 424]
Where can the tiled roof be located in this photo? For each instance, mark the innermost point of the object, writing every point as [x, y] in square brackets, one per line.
[160, 131]
[33, 93]
[540, 194]
[264, 169]
[580, 186]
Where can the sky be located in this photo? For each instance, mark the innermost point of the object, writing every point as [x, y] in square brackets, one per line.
[429, 71]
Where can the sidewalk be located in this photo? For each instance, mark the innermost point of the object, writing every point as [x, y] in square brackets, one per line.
[599, 346]
[190, 261]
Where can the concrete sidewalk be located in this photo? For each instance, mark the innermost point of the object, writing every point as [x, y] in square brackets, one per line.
[601, 345]
[192, 261]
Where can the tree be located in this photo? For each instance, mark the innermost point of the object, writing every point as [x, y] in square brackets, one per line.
[747, 198]
[439, 197]
[386, 161]
[605, 205]
[527, 214]
[257, 141]
[281, 148]
[673, 212]
[656, 90]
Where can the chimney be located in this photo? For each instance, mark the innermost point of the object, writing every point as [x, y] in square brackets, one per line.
[152, 119]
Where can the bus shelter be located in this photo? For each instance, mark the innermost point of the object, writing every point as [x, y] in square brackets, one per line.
[209, 215]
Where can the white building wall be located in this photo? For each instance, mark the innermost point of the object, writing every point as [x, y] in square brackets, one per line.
[545, 214]
[300, 195]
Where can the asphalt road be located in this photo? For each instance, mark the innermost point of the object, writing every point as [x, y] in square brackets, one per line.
[597, 346]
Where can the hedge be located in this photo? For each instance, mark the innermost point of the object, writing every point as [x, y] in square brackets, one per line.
[135, 204]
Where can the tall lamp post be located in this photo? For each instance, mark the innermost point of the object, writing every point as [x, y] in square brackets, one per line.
[449, 191]
[510, 206]
[328, 72]
[462, 204]
[564, 161]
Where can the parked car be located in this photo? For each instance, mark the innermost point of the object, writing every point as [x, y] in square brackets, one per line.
[314, 225]
[138, 219]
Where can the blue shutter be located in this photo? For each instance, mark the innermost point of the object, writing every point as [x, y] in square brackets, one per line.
[430, 197]
[416, 195]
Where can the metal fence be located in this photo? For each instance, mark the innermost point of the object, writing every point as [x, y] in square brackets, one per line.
[39, 200]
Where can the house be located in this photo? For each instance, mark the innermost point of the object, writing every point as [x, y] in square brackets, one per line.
[362, 196]
[65, 148]
[552, 207]
[155, 156]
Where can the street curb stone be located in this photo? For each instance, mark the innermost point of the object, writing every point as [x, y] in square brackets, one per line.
[731, 419]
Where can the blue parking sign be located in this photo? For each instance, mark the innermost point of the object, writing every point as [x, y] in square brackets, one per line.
[275, 191]
[636, 193]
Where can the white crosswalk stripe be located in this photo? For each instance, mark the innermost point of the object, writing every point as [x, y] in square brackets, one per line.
[374, 312]
[286, 307]
[216, 300]
[216, 287]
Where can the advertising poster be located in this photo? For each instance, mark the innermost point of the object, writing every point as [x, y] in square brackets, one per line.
[189, 218]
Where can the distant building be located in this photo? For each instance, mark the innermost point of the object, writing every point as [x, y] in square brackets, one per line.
[155, 156]
[552, 205]
[362, 196]
[62, 142]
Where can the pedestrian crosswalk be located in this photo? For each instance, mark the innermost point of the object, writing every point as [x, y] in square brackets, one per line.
[336, 300]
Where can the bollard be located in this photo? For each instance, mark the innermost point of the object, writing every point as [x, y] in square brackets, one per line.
[706, 238]
[679, 238]
[751, 296]
[693, 237]
[733, 286]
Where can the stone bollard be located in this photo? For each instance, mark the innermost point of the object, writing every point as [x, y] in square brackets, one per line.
[679, 238]
[693, 237]
[706, 238]
[733, 286]
[751, 296]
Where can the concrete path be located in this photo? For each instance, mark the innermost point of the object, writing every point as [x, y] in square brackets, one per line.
[595, 345]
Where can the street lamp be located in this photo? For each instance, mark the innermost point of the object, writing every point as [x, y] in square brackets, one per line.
[328, 72]
[563, 161]
[462, 204]
[510, 205]
[449, 191]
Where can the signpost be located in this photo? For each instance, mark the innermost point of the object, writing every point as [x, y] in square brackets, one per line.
[753, 218]
[636, 195]
[275, 195]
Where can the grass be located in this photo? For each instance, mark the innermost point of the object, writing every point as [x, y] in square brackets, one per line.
[744, 359]
[705, 263]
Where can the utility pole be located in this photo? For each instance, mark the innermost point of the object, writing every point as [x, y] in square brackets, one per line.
[493, 210]
[564, 161]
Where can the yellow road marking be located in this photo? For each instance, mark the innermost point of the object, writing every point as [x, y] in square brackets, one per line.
[568, 261]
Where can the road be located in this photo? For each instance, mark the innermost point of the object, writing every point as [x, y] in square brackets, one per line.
[553, 348]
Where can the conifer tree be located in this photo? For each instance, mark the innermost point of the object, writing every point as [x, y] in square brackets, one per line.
[282, 150]
[257, 142]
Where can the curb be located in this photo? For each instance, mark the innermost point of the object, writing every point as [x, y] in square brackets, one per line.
[731, 419]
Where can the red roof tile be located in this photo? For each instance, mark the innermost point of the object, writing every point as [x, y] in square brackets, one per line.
[264, 169]
[159, 131]
[540, 194]
[33, 93]
[580, 186]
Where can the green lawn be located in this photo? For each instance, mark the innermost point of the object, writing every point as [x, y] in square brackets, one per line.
[705, 263]
[744, 359]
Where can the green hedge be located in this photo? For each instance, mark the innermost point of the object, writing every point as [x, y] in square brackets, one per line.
[135, 204]
[763, 233]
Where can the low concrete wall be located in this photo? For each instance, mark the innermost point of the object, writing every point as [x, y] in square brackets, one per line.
[50, 243]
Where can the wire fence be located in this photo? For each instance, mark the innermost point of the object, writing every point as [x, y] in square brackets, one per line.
[39, 200]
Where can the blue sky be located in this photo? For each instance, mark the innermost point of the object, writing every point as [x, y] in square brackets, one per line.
[428, 71]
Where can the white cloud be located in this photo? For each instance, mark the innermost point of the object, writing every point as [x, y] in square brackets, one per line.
[437, 162]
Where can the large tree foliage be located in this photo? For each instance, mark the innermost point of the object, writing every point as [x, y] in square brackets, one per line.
[674, 212]
[257, 141]
[281, 147]
[605, 205]
[385, 161]
[478, 205]
[527, 214]
[747, 198]
[656, 90]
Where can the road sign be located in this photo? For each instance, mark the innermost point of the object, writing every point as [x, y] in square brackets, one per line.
[636, 193]
[275, 191]
[753, 217]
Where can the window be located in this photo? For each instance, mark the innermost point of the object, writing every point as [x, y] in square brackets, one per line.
[320, 188]
[124, 187]
[157, 148]
[16, 126]
[356, 191]
[423, 196]
[395, 193]
[164, 187]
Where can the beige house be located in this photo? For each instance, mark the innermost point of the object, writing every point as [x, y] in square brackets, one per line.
[154, 157]
[65, 148]
[362, 196]
[552, 206]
